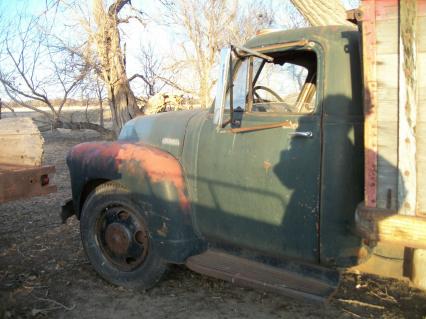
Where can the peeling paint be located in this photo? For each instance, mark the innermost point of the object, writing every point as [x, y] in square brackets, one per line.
[129, 159]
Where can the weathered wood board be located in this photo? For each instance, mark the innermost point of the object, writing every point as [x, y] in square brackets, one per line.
[394, 59]
[20, 142]
[387, 102]
[421, 108]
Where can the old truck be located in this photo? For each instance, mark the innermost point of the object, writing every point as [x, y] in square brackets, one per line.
[291, 176]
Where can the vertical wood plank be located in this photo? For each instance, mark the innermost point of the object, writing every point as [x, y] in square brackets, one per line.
[407, 108]
[421, 108]
[387, 103]
[380, 66]
[370, 100]
[387, 114]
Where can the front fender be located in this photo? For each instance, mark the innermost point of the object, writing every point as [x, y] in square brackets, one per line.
[156, 183]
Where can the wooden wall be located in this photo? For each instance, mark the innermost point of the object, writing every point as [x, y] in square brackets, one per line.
[394, 48]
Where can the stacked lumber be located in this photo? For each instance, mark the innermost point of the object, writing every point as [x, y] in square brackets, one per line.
[20, 142]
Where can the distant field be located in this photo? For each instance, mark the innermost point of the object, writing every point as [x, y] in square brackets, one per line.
[69, 113]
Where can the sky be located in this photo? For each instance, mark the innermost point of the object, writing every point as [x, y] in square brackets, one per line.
[163, 40]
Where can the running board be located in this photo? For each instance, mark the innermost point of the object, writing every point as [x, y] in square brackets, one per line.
[293, 280]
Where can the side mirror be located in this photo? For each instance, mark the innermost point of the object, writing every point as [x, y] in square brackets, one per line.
[222, 85]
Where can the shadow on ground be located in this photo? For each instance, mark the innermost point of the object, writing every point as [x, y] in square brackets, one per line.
[44, 274]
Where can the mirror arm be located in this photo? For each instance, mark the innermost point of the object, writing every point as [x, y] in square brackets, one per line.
[226, 123]
[231, 94]
[250, 52]
[250, 86]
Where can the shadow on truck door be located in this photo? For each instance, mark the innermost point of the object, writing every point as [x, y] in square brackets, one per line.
[341, 180]
[304, 206]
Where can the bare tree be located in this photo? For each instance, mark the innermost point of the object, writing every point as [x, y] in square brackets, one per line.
[93, 91]
[289, 17]
[33, 69]
[151, 73]
[6, 106]
[99, 90]
[208, 25]
[322, 12]
[112, 59]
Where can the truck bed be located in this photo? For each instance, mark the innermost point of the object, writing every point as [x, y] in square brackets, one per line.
[19, 181]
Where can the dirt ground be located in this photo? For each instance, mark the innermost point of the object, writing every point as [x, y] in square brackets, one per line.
[45, 274]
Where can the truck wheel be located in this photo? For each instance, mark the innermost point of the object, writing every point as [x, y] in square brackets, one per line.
[116, 239]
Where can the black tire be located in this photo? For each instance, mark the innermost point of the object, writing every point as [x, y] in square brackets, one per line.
[109, 222]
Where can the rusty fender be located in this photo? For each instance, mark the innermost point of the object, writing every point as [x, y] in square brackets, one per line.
[156, 183]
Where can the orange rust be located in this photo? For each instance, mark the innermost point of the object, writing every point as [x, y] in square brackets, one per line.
[159, 166]
[101, 149]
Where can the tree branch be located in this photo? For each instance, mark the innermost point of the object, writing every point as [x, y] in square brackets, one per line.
[116, 7]
[175, 85]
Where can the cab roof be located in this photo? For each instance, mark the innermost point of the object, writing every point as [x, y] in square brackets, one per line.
[320, 34]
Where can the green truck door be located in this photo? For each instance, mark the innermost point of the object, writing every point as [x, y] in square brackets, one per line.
[260, 189]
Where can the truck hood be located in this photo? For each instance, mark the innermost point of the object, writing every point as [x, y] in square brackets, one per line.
[164, 130]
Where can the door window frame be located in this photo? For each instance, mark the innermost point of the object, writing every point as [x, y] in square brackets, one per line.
[303, 45]
[310, 46]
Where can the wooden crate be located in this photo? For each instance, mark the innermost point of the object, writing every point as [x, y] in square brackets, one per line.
[394, 68]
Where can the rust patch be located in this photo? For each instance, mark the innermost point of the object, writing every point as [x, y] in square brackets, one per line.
[129, 158]
[267, 166]
[117, 238]
[158, 165]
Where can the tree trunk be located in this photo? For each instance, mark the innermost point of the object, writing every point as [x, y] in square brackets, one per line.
[204, 92]
[322, 12]
[121, 98]
[122, 103]
[101, 113]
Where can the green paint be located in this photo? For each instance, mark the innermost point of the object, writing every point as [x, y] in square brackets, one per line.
[265, 191]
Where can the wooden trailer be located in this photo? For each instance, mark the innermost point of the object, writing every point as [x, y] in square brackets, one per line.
[22, 174]
[394, 72]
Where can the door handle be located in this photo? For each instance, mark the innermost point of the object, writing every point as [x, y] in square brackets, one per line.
[302, 134]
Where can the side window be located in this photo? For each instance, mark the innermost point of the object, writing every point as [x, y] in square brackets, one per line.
[239, 91]
[287, 85]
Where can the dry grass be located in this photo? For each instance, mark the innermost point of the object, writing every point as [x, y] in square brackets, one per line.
[45, 274]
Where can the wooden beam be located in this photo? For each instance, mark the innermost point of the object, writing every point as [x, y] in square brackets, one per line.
[388, 226]
[17, 182]
[421, 108]
[368, 9]
[407, 107]
[418, 275]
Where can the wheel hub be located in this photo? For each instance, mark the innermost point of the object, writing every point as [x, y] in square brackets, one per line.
[122, 237]
[117, 238]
